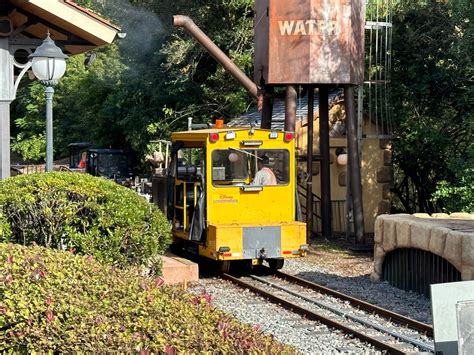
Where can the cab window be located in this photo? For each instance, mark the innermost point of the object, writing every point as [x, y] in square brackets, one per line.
[239, 166]
[189, 163]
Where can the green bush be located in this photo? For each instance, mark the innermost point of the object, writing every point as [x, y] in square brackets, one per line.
[91, 215]
[456, 197]
[55, 301]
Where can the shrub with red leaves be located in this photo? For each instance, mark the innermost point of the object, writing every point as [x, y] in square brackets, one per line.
[79, 304]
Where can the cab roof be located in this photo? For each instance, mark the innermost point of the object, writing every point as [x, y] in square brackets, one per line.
[201, 135]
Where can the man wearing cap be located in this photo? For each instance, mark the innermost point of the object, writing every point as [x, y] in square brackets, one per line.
[264, 175]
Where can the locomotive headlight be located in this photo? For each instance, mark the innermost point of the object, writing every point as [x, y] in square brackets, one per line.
[230, 135]
[251, 143]
[223, 250]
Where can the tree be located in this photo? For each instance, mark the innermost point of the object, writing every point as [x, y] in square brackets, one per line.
[176, 78]
[433, 96]
[29, 122]
[148, 84]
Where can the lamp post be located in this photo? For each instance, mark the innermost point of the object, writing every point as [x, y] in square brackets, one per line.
[48, 63]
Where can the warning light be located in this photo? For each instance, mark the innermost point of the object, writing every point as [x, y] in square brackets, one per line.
[219, 123]
[213, 137]
[289, 136]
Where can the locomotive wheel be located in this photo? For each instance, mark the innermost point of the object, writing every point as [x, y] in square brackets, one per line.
[276, 264]
[223, 267]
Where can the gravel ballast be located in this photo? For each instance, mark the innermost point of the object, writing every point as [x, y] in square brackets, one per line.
[328, 265]
[307, 336]
[381, 294]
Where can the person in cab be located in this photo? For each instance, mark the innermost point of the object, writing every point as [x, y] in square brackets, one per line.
[83, 162]
[264, 175]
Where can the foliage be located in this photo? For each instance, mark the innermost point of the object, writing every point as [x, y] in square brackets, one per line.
[457, 198]
[146, 85]
[91, 215]
[30, 124]
[83, 111]
[54, 301]
[432, 99]
[229, 24]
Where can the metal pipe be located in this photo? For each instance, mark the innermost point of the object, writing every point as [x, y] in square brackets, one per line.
[49, 91]
[267, 108]
[325, 173]
[290, 108]
[355, 176]
[309, 167]
[189, 25]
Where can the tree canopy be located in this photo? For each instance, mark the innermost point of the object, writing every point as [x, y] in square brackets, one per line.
[433, 98]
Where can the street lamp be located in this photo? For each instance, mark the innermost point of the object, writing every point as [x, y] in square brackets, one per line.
[48, 63]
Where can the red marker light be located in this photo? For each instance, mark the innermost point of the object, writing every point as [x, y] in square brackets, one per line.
[213, 137]
[287, 252]
[288, 136]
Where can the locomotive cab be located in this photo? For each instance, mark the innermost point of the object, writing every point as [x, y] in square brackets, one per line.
[222, 206]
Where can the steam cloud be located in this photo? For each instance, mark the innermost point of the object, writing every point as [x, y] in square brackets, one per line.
[145, 32]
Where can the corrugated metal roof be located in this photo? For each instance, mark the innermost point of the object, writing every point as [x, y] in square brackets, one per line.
[253, 117]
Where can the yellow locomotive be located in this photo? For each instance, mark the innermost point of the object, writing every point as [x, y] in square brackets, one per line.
[231, 196]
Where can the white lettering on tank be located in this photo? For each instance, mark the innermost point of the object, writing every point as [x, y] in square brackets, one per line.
[300, 28]
[286, 27]
[311, 27]
[329, 22]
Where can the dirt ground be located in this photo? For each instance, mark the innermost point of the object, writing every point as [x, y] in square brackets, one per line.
[335, 256]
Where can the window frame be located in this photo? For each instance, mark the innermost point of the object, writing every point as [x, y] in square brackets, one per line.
[229, 185]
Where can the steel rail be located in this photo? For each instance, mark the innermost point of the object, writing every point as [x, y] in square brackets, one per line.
[367, 323]
[397, 318]
[315, 316]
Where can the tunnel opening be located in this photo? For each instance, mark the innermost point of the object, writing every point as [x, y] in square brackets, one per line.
[415, 270]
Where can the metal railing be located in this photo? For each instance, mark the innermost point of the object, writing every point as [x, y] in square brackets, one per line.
[33, 169]
[338, 212]
[415, 270]
[27, 169]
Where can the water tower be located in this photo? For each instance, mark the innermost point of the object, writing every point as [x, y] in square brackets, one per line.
[317, 44]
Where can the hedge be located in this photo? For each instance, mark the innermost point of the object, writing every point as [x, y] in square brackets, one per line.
[55, 301]
[91, 215]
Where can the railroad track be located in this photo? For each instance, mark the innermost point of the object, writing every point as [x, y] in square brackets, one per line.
[386, 330]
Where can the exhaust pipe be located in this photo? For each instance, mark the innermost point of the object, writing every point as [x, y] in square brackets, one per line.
[220, 56]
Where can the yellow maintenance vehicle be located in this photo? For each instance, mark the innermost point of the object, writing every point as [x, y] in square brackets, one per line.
[231, 196]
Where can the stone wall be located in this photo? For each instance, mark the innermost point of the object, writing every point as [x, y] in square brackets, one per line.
[449, 236]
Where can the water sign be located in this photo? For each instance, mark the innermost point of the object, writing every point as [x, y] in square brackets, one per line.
[309, 41]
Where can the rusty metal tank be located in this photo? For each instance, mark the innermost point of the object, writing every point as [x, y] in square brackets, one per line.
[309, 42]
